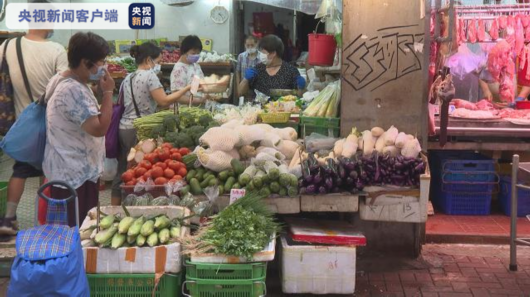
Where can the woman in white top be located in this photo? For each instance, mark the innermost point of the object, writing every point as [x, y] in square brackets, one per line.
[142, 93]
[187, 67]
[76, 124]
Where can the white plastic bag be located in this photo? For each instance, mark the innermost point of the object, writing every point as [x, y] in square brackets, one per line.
[110, 169]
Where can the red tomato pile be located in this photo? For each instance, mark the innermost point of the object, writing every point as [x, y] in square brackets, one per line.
[170, 56]
[161, 166]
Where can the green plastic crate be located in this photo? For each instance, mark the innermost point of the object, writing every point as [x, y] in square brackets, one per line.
[3, 198]
[134, 285]
[325, 126]
[208, 271]
[234, 288]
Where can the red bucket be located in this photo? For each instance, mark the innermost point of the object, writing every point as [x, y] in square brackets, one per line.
[322, 48]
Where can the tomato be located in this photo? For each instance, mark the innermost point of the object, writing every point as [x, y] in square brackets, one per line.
[127, 176]
[174, 150]
[182, 171]
[157, 172]
[139, 172]
[177, 177]
[164, 155]
[167, 145]
[146, 164]
[174, 165]
[150, 158]
[147, 175]
[184, 151]
[161, 165]
[132, 182]
[168, 173]
[161, 181]
[167, 162]
[176, 157]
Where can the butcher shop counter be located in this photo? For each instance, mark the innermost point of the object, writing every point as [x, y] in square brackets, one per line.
[494, 135]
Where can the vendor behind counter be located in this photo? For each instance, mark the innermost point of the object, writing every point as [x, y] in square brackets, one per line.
[273, 72]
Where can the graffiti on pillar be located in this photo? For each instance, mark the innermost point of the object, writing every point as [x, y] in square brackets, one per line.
[373, 61]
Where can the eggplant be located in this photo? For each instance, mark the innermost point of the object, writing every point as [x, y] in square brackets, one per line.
[308, 179]
[354, 175]
[359, 185]
[311, 189]
[322, 190]
[420, 168]
[303, 191]
[338, 182]
[377, 170]
[336, 190]
[349, 165]
[317, 178]
[349, 182]
[329, 183]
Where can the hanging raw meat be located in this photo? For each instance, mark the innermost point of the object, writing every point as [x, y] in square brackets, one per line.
[481, 31]
[462, 31]
[525, 19]
[494, 30]
[522, 59]
[502, 69]
[503, 22]
[472, 31]
[527, 34]
[519, 37]
[510, 31]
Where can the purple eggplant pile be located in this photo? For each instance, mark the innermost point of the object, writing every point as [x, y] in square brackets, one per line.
[333, 177]
[353, 174]
[379, 169]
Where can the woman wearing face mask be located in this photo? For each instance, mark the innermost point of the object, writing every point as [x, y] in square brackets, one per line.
[272, 73]
[76, 124]
[247, 59]
[187, 67]
[147, 93]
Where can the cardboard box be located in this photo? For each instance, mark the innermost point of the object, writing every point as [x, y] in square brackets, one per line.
[160, 259]
[330, 203]
[408, 206]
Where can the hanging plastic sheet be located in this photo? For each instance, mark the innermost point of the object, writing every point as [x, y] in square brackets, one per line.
[305, 6]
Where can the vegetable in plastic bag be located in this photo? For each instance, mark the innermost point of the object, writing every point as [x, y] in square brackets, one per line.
[316, 142]
[401, 139]
[390, 136]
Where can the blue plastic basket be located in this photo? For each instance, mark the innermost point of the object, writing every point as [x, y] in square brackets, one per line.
[505, 198]
[459, 161]
[484, 188]
[461, 203]
[470, 176]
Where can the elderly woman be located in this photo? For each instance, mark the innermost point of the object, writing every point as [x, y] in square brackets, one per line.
[272, 72]
[76, 124]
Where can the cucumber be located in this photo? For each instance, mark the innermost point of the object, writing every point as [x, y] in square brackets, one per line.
[237, 166]
[229, 183]
[206, 181]
[185, 190]
[223, 175]
[207, 175]
[191, 175]
[213, 182]
[200, 174]
[221, 190]
[236, 186]
[195, 187]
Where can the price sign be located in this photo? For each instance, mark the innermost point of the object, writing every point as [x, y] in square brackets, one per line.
[195, 84]
[235, 194]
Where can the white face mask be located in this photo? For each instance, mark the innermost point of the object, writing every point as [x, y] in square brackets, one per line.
[100, 72]
[252, 50]
[156, 68]
[264, 59]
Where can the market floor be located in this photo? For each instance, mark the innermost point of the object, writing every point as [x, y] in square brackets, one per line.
[442, 270]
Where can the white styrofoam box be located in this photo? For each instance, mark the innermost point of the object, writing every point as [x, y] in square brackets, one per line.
[393, 206]
[158, 259]
[266, 255]
[317, 269]
[330, 203]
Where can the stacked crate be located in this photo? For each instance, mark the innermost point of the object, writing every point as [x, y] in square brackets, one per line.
[463, 182]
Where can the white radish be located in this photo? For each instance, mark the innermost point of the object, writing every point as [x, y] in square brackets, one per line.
[337, 149]
[148, 146]
[391, 150]
[377, 131]
[401, 139]
[139, 156]
[390, 136]
[131, 155]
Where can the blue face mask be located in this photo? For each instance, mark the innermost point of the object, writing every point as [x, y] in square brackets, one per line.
[98, 74]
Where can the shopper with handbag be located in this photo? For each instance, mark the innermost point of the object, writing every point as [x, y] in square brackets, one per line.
[141, 93]
[33, 60]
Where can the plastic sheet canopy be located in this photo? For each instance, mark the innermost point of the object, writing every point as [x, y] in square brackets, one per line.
[305, 6]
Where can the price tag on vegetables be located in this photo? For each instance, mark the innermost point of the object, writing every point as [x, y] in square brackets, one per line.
[235, 194]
